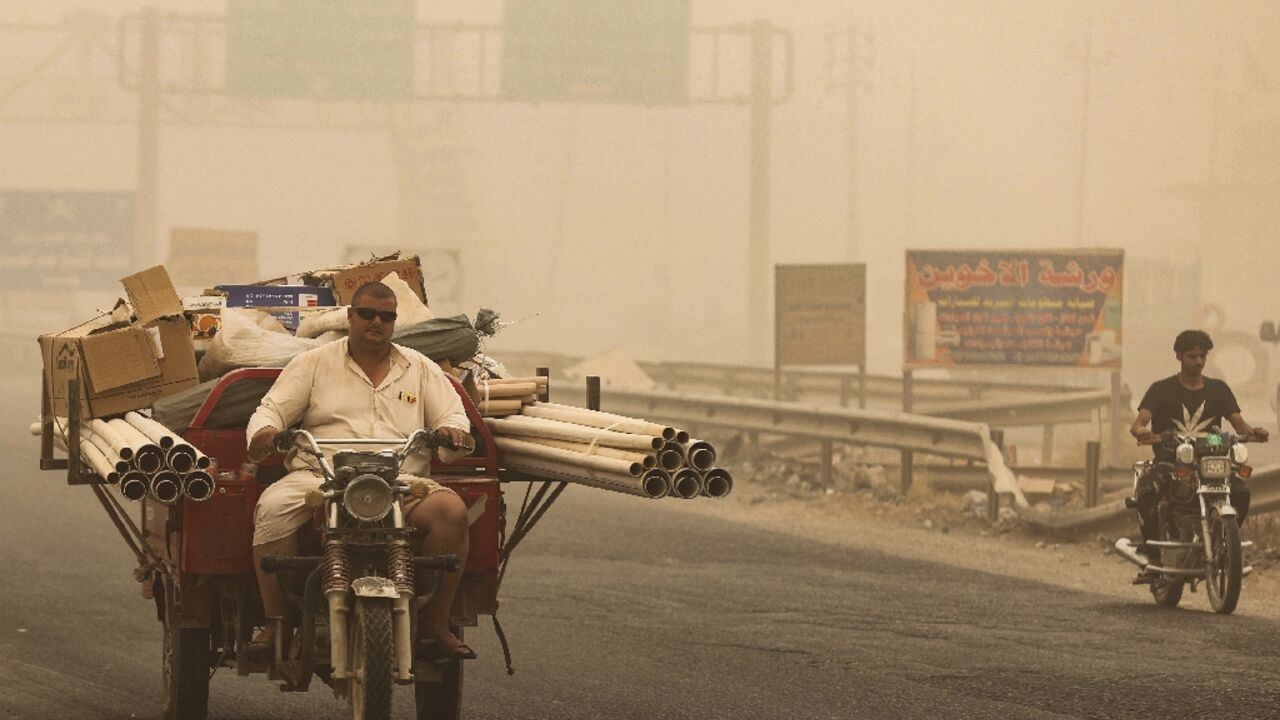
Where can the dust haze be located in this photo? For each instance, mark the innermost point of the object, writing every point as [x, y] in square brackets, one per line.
[1152, 127]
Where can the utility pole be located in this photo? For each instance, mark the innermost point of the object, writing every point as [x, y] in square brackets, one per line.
[147, 190]
[858, 57]
[1087, 61]
[911, 155]
[758, 254]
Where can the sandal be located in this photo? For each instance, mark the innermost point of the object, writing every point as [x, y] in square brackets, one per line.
[437, 650]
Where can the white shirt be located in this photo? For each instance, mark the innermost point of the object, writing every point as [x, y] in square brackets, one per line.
[330, 395]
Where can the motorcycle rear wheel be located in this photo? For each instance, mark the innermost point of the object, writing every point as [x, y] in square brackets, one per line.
[372, 661]
[1167, 591]
[1222, 577]
[185, 666]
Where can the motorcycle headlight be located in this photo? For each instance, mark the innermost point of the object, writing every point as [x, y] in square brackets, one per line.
[1186, 453]
[368, 498]
[1239, 453]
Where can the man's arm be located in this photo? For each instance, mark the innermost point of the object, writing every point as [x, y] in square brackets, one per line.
[1243, 428]
[443, 410]
[282, 406]
[1139, 429]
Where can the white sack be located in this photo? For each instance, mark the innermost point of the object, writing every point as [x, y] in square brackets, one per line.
[410, 309]
[243, 342]
[317, 324]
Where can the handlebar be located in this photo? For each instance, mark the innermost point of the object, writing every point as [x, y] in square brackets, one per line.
[286, 440]
[1170, 439]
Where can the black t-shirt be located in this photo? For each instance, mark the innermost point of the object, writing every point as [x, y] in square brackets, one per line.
[1189, 412]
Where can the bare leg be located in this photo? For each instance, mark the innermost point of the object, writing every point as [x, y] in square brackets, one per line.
[443, 516]
[274, 601]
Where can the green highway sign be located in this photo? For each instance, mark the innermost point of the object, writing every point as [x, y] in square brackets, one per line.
[336, 49]
[624, 51]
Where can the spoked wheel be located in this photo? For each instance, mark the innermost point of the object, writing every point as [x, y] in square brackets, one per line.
[372, 661]
[185, 681]
[442, 700]
[1222, 576]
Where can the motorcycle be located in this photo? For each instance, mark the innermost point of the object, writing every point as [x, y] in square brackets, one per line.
[365, 576]
[1199, 529]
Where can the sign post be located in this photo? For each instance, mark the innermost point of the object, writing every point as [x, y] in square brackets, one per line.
[820, 318]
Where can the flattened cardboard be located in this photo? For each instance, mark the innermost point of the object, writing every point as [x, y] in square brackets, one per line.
[346, 281]
[152, 294]
[119, 357]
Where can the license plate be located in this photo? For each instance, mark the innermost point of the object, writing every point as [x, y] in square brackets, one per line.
[1215, 468]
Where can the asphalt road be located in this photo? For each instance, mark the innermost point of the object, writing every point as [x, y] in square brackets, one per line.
[622, 608]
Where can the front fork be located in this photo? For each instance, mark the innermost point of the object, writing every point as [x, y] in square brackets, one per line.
[1220, 502]
[338, 591]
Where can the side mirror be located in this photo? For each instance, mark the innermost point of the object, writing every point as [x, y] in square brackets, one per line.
[1268, 332]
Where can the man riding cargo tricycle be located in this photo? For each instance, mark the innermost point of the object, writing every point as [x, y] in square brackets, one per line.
[354, 588]
[352, 559]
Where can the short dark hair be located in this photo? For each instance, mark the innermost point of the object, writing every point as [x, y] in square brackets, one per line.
[373, 289]
[1192, 339]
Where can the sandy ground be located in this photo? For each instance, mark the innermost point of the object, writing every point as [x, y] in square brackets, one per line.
[933, 528]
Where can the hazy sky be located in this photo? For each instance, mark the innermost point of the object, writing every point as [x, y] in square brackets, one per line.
[626, 226]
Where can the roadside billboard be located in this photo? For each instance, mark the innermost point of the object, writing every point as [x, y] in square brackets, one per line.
[65, 239]
[821, 314]
[1013, 307]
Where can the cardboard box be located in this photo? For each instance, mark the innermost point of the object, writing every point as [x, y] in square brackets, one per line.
[345, 281]
[124, 366]
[276, 298]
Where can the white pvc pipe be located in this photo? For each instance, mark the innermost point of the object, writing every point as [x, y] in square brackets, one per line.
[652, 484]
[569, 457]
[686, 484]
[180, 459]
[133, 485]
[108, 433]
[647, 460]
[595, 418]
[147, 456]
[717, 483]
[197, 485]
[166, 486]
[671, 457]
[154, 431]
[558, 430]
[701, 455]
[96, 460]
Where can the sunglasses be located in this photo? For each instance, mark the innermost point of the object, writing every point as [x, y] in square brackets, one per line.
[366, 313]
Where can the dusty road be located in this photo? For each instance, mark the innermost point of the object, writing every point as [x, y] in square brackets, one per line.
[623, 608]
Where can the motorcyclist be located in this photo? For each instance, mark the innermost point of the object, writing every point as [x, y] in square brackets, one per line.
[363, 386]
[1190, 404]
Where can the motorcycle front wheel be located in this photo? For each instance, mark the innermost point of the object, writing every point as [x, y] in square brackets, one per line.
[372, 661]
[1222, 576]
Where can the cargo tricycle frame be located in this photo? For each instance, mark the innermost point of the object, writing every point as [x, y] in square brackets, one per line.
[195, 557]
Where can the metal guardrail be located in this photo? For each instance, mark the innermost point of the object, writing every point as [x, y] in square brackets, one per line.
[1048, 409]
[995, 404]
[901, 431]
[1113, 518]
[758, 381]
[827, 382]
